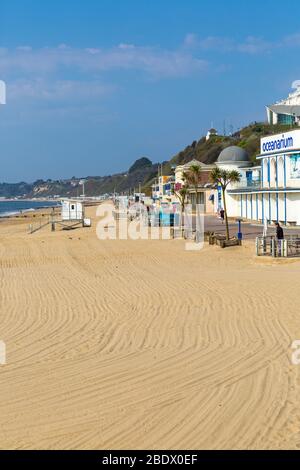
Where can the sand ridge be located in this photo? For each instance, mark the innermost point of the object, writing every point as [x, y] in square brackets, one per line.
[141, 344]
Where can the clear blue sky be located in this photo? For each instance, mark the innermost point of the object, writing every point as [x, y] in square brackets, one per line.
[92, 85]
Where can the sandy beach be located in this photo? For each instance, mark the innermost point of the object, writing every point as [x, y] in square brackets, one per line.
[122, 344]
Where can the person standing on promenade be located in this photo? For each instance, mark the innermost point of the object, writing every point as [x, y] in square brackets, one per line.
[280, 237]
[279, 231]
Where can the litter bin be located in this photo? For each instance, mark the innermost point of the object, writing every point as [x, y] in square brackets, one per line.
[239, 233]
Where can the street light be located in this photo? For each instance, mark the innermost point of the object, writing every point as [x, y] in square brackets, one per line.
[82, 182]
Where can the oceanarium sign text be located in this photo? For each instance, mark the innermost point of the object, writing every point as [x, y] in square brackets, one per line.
[280, 142]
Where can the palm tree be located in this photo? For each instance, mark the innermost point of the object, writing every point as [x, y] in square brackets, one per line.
[190, 178]
[193, 177]
[181, 195]
[224, 178]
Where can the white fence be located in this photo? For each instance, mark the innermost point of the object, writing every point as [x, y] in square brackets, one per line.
[271, 246]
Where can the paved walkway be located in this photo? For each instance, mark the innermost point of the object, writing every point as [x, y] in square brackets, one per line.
[250, 231]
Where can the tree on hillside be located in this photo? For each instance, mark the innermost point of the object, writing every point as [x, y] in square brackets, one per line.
[140, 164]
[224, 178]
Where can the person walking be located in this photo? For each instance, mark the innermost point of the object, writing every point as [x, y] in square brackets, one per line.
[222, 215]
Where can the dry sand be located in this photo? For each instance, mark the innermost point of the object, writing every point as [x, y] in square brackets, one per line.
[141, 344]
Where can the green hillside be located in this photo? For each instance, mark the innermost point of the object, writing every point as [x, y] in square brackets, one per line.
[247, 138]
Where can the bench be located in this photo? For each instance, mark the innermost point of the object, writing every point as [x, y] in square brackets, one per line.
[231, 242]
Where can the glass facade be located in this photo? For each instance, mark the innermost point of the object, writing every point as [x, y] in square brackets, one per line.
[286, 119]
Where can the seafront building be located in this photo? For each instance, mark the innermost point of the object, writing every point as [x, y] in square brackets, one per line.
[271, 190]
[163, 188]
[286, 111]
[205, 193]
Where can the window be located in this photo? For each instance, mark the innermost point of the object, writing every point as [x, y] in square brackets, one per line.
[249, 178]
[295, 166]
[286, 119]
[280, 170]
[200, 198]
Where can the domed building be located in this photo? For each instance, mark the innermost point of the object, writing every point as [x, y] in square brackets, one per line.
[268, 191]
[233, 157]
[236, 158]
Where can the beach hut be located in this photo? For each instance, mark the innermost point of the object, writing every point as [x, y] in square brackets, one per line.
[73, 214]
[72, 211]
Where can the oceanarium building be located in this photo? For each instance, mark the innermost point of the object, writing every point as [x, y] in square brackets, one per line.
[271, 190]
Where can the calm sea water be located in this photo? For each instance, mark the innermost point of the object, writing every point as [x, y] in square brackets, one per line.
[15, 207]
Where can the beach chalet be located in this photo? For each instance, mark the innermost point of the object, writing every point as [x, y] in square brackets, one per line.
[72, 210]
[271, 190]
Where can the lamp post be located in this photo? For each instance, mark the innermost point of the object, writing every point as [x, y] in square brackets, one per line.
[82, 183]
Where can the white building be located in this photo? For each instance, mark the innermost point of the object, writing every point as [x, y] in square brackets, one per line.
[163, 188]
[211, 133]
[286, 111]
[72, 210]
[272, 190]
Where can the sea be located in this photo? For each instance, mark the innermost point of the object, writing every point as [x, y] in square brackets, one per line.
[8, 207]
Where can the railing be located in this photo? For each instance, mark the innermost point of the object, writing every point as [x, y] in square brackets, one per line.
[38, 225]
[246, 184]
[187, 233]
[293, 246]
[271, 246]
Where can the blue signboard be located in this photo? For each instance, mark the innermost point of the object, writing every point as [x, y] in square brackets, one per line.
[219, 197]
